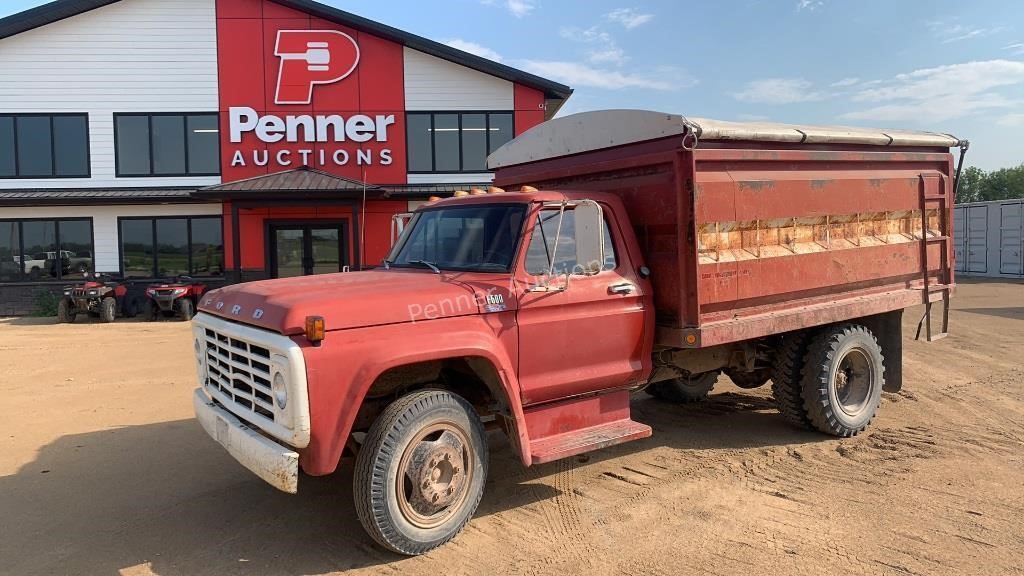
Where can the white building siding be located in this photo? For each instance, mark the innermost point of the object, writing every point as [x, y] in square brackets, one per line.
[134, 56]
[104, 222]
[435, 84]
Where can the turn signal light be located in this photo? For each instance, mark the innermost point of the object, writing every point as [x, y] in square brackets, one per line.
[461, 193]
[495, 190]
[315, 329]
[528, 189]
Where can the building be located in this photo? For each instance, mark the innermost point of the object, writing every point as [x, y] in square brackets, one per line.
[231, 139]
[989, 238]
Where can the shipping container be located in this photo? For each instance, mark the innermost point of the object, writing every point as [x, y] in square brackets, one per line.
[989, 239]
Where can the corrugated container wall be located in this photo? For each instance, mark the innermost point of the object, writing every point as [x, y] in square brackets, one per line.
[989, 238]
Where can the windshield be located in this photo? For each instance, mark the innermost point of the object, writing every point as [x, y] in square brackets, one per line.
[481, 237]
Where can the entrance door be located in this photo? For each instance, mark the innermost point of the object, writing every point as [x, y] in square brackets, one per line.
[304, 249]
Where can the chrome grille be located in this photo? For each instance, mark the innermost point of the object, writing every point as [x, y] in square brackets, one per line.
[240, 371]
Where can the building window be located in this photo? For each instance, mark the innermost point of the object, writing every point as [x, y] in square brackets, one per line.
[454, 142]
[172, 246]
[44, 146]
[40, 250]
[167, 144]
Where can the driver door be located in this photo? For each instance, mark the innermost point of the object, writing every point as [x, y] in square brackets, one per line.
[588, 337]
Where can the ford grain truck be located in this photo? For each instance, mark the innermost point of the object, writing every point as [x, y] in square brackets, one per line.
[620, 251]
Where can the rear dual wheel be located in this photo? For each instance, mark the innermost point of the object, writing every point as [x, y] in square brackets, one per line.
[420, 473]
[830, 380]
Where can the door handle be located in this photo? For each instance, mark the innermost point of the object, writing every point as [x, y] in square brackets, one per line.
[624, 288]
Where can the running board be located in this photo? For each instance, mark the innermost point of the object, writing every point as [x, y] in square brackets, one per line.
[572, 427]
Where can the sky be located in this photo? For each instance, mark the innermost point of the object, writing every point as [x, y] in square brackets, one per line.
[940, 65]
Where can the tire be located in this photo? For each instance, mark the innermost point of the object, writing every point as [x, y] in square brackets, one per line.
[65, 311]
[186, 309]
[843, 378]
[685, 389]
[399, 515]
[108, 309]
[787, 379]
[750, 380]
[130, 306]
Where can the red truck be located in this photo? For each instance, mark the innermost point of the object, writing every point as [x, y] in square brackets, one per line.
[640, 251]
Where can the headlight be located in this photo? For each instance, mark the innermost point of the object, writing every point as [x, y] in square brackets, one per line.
[94, 292]
[67, 292]
[150, 291]
[280, 391]
[179, 291]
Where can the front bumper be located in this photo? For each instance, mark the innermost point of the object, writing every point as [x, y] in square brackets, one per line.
[269, 460]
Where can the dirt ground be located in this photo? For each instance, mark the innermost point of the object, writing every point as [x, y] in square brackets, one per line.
[103, 471]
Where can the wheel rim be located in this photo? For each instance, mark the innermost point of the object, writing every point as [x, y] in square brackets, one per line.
[434, 475]
[854, 381]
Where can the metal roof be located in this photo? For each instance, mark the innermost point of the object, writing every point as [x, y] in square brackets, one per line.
[302, 179]
[600, 129]
[60, 9]
[73, 196]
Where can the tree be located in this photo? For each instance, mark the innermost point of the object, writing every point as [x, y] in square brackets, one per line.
[976, 185]
[969, 187]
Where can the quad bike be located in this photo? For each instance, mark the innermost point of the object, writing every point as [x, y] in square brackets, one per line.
[100, 296]
[178, 297]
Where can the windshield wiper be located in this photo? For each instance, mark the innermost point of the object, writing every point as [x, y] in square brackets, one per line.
[387, 264]
[430, 265]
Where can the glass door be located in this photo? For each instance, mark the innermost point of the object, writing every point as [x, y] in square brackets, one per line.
[302, 249]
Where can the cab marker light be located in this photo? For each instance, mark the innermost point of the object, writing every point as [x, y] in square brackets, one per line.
[495, 190]
[461, 193]
[528, 189]
[315, 329]
[478, 192]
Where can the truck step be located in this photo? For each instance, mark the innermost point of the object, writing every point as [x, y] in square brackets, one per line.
[587, 439]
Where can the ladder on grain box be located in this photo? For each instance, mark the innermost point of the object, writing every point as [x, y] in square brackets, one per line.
[934, 193]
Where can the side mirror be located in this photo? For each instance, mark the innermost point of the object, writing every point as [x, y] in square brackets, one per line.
[589, 237]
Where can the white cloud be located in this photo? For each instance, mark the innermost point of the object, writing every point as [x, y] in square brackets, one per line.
[950, 32]
[517, 8]
[809, 5]
[845, 82]
[1015, 48]
[1014, 119]
[931, 95]
[604, 48]
[778, 91]
[577, 74]
[474, 48]
[629, 17]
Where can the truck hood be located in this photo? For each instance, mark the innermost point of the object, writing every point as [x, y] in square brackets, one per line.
[358, 299]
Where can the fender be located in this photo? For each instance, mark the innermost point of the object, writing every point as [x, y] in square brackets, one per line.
[342, 369]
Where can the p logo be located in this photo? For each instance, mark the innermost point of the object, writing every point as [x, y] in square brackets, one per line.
[311, 57]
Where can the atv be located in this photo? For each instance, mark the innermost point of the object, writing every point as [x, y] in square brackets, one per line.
[178, 297]
[101, 296]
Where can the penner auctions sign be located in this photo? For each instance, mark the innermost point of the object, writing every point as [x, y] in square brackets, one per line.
[327, 97]
[332, 129]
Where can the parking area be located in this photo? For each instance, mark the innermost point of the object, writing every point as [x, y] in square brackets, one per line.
[103, 471]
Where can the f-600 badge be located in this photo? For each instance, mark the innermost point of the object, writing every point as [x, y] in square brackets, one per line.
[495, 303]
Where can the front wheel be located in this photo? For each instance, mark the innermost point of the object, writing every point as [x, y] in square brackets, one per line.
[65, 311]
[420, 472]
[186, 309]
[843, 379]
[108, 309]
